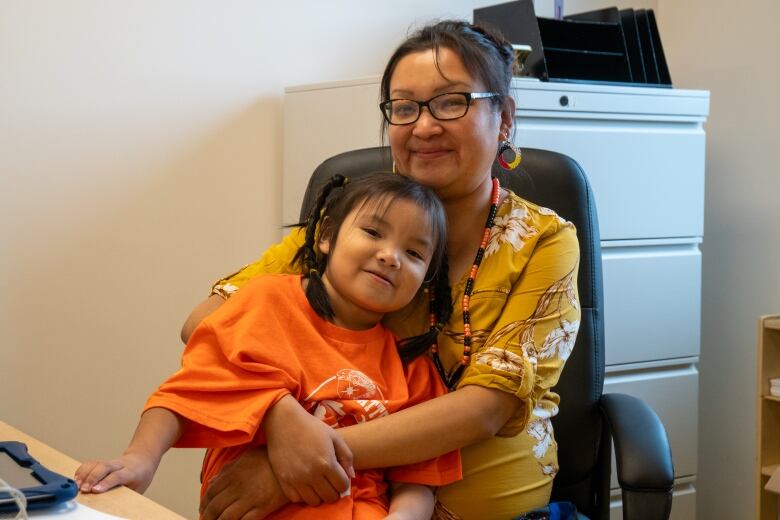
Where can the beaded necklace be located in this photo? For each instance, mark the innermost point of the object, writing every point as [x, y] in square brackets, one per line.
[451, 379]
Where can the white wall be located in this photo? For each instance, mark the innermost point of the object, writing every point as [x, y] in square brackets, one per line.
[731, 49]
[140, 158]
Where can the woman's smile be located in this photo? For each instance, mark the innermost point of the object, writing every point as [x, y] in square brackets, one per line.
[429, 154]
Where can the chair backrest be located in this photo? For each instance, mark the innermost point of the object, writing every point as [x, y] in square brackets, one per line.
[557, 182]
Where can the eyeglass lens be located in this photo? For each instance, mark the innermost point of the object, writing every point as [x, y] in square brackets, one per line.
[444, 106]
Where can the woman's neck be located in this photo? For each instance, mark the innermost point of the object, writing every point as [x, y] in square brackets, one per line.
[466, 218]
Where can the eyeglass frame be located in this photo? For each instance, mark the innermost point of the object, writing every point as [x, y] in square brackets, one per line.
[470, 96]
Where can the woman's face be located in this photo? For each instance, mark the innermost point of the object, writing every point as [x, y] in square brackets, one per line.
[452, 157]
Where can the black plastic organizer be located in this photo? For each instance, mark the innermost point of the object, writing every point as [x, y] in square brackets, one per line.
[612, 46]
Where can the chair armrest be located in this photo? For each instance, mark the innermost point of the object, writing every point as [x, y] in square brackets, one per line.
[644, 459]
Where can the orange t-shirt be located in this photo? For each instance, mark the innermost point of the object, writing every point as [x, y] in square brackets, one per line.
[265, 342]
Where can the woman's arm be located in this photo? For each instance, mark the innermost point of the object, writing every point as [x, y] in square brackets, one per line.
[418, 433]
[431, 428]
[157, 431]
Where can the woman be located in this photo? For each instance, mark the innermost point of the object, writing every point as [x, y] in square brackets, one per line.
[512, 268]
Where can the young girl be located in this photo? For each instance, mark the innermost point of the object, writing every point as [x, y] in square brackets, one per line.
[316, 339]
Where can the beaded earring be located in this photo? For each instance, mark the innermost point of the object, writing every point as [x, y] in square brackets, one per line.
[505, 145]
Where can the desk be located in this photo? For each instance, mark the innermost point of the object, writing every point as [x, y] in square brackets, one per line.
[119, 501]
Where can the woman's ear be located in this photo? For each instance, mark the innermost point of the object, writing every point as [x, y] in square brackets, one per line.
[508, 114]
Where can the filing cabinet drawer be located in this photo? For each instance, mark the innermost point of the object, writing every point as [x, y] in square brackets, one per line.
[673, 394]
[647, 177]
[652, 302]
[660, 103]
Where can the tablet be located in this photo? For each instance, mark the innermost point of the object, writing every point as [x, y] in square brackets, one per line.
[42, 488]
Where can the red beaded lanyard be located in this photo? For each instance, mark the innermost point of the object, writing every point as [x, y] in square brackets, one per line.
[452, 378]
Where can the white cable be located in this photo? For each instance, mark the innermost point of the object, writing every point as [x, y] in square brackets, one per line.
[18, 497]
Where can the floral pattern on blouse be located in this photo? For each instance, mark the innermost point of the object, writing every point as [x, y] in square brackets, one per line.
[542, 431]
[513, 229]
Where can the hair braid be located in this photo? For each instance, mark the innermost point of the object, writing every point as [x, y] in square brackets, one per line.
[307, 255]
[441, 309]
[442, 296]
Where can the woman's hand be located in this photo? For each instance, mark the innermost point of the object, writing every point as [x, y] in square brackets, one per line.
[245, 489]
[131, 469]
[311, 461]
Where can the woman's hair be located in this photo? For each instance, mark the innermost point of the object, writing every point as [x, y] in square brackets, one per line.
[485, 53]
[377, 190]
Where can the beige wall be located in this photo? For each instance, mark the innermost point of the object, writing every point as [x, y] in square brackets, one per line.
[731, 49]
[140, 158]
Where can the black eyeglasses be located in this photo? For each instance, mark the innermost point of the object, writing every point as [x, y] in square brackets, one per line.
[444, 107]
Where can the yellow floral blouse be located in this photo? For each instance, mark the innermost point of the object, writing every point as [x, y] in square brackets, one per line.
[525, 316]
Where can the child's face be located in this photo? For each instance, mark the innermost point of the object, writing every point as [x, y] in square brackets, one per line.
[379, 261]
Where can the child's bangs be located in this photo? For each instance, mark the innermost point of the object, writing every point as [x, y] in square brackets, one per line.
[378, 204]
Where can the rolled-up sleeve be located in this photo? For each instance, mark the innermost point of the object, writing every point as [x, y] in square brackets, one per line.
[525, 351]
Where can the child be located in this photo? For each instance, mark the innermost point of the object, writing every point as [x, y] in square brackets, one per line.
[319, 340]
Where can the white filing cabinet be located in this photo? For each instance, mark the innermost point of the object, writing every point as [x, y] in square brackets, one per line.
[643, 151]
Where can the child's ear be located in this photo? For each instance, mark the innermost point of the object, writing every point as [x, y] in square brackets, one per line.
[324, 246]
[324, 242]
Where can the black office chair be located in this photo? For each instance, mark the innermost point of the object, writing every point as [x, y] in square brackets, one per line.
[589, 420]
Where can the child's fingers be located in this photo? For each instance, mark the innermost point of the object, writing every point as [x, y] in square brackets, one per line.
[95, 471]
[116, 478]
[336, 479]
[325, 490]
[290, 492]
[309, 496]
[83, 471]
[344, 456]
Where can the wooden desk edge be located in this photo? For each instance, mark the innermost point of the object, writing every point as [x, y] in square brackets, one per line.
[121, 501]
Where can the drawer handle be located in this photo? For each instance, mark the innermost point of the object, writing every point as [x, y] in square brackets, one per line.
[564, 101]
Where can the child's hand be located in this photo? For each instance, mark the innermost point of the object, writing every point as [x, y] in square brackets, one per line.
[132, 470]
[311, 461]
